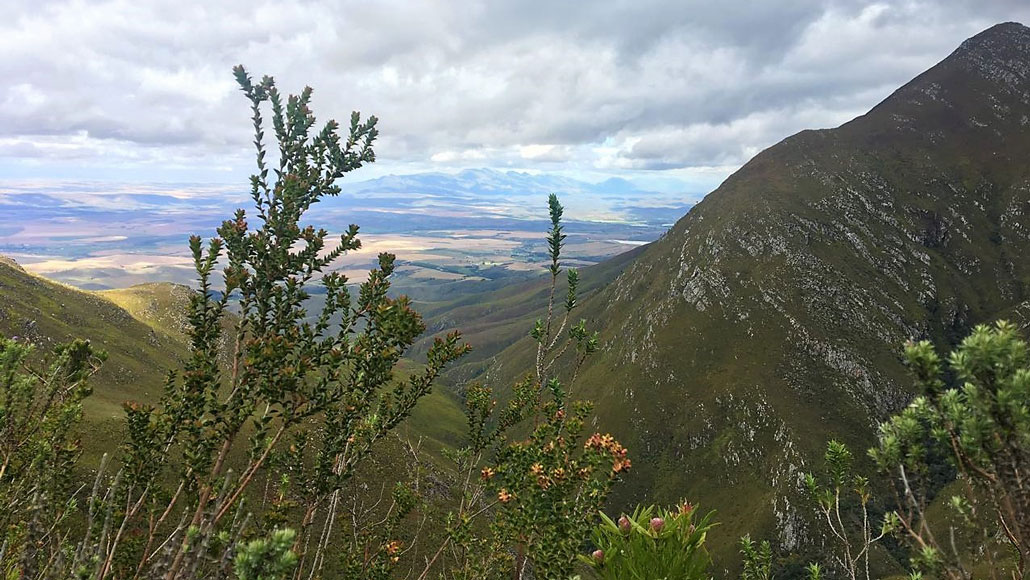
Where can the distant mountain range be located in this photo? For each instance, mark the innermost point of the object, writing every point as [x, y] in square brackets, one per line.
[767, 320]
[771, 317]
[619, 199]
[486, 190]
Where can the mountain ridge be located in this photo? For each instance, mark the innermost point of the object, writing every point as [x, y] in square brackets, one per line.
[770, 318]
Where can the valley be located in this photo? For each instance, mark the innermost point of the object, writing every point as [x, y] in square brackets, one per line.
[447, 229]
[739, 330]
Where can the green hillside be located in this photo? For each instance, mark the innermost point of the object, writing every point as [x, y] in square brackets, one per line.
[161, 306]
[47, 313]
[142, 328]
[771, 317]
[491, 321]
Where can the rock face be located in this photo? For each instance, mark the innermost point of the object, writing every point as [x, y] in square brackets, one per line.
[771, 317]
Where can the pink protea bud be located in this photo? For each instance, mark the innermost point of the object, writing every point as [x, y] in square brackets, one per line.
[686, 508]
[657, 524]
[598, 556]
[624, 524]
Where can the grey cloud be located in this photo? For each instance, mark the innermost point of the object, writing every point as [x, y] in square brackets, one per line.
[621, 85]
[21, 150]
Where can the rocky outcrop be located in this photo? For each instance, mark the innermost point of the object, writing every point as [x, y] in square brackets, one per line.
[10, 262]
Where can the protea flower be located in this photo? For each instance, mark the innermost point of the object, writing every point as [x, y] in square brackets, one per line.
[686, 508]
[624, 524]
[657, 524]
[598, 556]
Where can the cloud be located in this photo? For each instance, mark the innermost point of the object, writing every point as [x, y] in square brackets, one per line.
[546, 153]
[611, 86]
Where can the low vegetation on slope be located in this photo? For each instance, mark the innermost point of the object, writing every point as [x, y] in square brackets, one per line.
[37, 310]
[768, 319]
[162, 306]
[765, 322]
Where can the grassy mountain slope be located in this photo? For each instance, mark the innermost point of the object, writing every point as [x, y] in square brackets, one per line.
[492, 321]
[771, 317]
[48, 313]
[143, 328]
[161, 306]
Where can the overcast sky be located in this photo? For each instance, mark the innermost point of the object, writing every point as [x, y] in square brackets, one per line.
[142, 90]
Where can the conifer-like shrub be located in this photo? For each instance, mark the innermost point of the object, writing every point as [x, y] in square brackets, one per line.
[977, 421]
[40, 407]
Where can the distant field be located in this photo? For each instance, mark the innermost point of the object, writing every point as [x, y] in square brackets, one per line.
[445, 229]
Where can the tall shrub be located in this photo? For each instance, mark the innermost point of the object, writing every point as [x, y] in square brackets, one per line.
[321, 390]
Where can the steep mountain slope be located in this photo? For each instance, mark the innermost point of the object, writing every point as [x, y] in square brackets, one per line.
[143, 329]
[47, 313]
[162, 306]
[770, 318]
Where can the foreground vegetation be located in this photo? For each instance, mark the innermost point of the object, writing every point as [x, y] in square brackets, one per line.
[242, 467]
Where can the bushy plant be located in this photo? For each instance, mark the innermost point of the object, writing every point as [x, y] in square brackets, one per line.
[40, 406]
[652, 543]
[981, 427]
[322, 392]
[526, 506]
[756, 559]
[757, 563]
[854, 540]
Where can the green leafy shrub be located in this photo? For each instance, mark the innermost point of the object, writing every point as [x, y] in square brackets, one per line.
[526, 506]
[40, 406]
[322, 393]
[652, 543]
[267, 558]
[756, 558]
[853, 536]
[981, 427]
